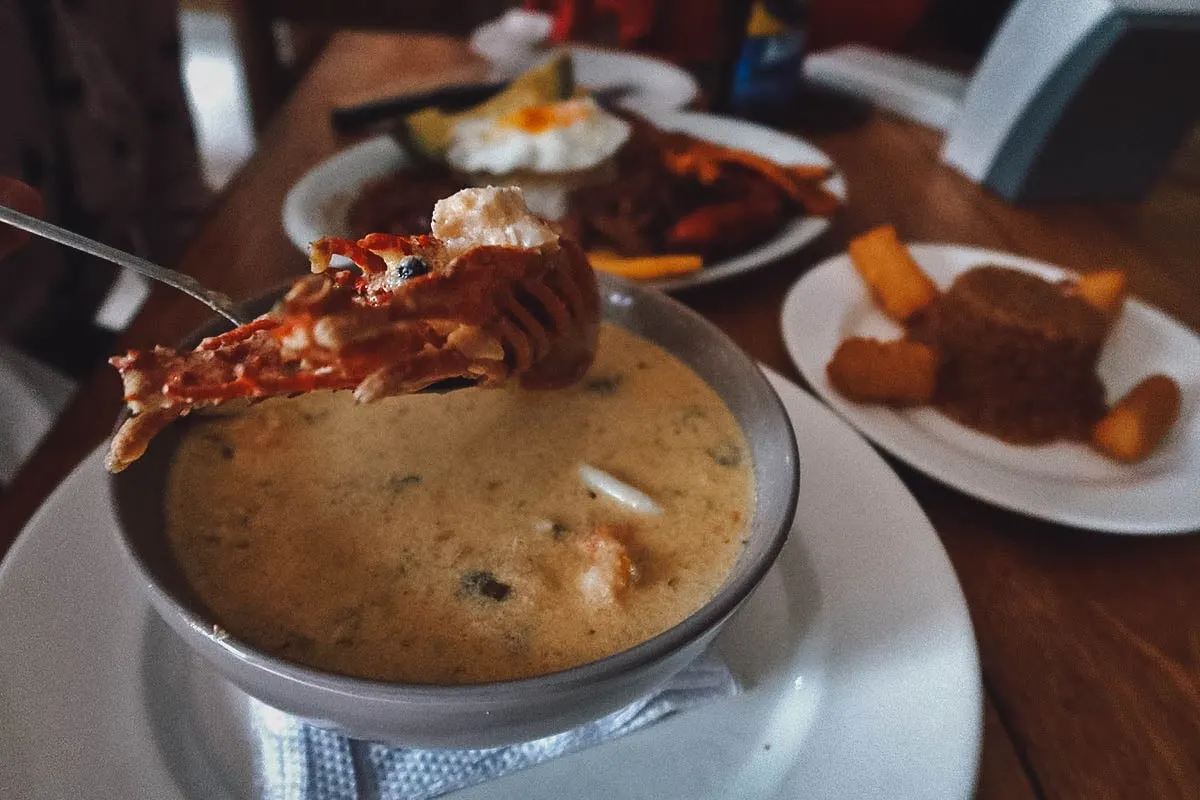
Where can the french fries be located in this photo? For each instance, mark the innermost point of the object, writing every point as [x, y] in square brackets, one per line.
[810, 172]
[898, 284]
[816, 199]
[645, 268]
[1104, 290]
[1139, 421]
[800, 182]
[899, 372]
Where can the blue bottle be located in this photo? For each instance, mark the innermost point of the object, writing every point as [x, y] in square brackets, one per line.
[767, 72]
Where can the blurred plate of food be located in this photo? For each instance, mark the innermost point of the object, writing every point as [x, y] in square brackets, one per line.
[627, 80]
[676, 200]
[521, 38]
[1053, 395]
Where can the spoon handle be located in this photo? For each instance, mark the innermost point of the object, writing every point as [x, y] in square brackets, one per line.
[185, 283]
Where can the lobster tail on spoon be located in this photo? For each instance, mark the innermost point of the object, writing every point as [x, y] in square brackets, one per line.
[494, 294]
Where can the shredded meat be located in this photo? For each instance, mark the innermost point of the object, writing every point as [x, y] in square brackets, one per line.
[633, 212]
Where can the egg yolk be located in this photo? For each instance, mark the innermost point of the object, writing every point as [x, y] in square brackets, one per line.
[538, 119]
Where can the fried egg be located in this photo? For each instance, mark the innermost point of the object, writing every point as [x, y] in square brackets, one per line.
[562, 137]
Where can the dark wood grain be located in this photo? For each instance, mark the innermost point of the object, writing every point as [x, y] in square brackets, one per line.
[1090, 643]
[1002, 776]
[1089, 646]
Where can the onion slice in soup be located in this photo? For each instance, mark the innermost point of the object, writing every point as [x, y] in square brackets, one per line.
[633, 499]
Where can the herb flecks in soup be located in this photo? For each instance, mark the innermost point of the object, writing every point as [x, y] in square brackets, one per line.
[451, 539]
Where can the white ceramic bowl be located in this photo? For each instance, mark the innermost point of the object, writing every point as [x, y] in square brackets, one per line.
[502, 712]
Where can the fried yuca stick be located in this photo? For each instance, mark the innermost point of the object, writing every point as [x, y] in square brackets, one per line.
[898, 284]
[1104, 290]
[870, 371]
[1139, 421]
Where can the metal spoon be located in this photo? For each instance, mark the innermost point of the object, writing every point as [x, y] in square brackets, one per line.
[215, 300]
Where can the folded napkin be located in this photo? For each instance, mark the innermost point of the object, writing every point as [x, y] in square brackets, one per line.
[513, 42]
[32, 395]
[299, 761]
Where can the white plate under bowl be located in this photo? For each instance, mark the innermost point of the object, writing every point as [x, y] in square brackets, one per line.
[316, 205]
[1061, 482]
[856, 653]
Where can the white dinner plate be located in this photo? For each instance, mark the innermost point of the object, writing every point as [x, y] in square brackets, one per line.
[857, 657]
[647, 84]
[1062, 482]
[316, 205]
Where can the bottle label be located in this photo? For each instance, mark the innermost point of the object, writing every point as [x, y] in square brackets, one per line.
[768, 67]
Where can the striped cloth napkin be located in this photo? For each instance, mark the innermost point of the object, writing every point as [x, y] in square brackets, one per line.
[299, 761]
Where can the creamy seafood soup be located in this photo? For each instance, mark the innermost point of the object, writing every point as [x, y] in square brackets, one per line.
[475, 536]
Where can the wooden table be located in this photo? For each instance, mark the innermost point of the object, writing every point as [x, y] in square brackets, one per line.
[1089, 643]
